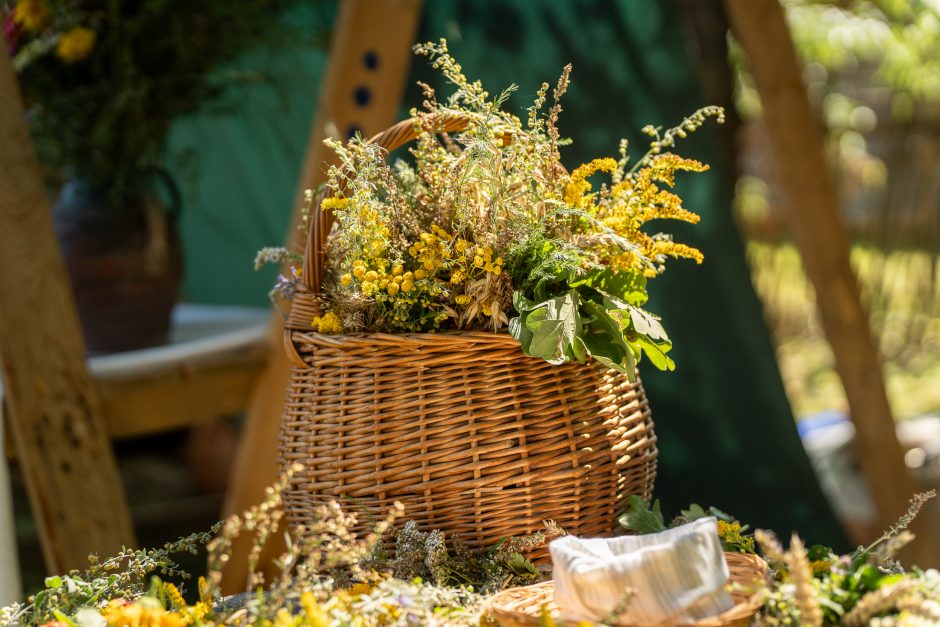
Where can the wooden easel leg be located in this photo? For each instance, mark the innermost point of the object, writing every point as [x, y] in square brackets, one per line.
[814, 219]
[53, 408]
[363, 87]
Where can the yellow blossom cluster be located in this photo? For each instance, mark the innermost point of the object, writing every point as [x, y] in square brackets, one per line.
[399, 290]
[626, 206]
[144, 612]
[577, 188]
[465, 261]
[334, 202]
[370, 227]
[422, 290]
[149, 611]
[732, 534]
[327, 323]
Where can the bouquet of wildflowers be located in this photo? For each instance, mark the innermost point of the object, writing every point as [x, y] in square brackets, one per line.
[485, 229]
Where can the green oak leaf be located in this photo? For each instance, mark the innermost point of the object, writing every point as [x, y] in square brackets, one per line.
[694, 512]
[642, 518]
[656, 352]
[647, 324]
[549, 329]
[627, 286]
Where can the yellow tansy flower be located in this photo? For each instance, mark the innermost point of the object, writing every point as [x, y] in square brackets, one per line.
[327, 323]
[75, 44]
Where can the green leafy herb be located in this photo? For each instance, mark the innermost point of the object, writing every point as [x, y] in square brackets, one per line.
[642, 518]
[597, 314]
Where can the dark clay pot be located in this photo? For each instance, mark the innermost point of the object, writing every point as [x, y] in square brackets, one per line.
[123, 256]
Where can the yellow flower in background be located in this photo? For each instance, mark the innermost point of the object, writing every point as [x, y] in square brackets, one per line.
[32, 15]
[75, 44]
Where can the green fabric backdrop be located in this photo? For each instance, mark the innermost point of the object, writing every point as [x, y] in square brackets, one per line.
[727, 437]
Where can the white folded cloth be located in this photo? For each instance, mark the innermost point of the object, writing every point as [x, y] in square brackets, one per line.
[678, 576]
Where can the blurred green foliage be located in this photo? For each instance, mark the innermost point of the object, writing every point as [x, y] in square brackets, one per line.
[102, 110]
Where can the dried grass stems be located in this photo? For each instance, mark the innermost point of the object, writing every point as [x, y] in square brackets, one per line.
[125, 575]
[327, 574]
[893, 539]
[429, 243]
[324, 554]
[804, 592]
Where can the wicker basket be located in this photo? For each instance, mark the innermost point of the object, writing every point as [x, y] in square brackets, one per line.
[470, 434]
[524, 606]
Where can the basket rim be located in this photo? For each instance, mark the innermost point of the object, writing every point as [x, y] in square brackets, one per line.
[409, 341]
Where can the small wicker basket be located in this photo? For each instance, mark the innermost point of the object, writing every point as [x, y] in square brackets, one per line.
[473, 436]
[525, 606]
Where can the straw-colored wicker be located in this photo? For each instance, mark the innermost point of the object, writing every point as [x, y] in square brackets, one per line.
[470, 434]
[524, 606]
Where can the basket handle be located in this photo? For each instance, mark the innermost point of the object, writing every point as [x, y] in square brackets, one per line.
[320, 222]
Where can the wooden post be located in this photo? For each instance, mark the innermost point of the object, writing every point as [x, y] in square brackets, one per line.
[53, 410]
[365, 78]
[796, 140]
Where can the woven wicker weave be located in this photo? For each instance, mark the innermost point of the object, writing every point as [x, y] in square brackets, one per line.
[470, 434]
[524, 606]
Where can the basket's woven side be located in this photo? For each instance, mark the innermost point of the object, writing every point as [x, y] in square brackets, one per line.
[471, 435]
[523, 606]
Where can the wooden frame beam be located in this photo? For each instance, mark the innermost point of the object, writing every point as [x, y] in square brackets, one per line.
[796, 138]
[52, 406]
